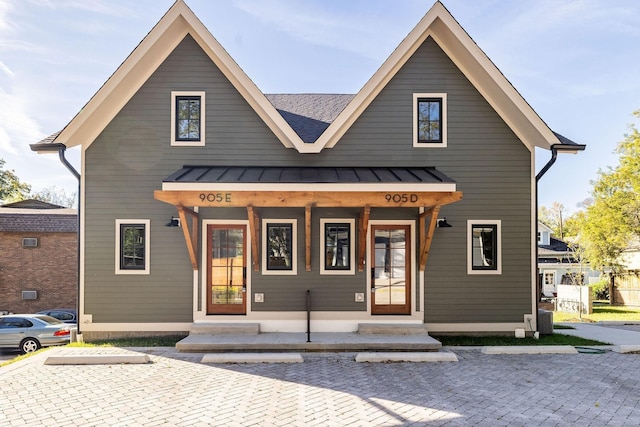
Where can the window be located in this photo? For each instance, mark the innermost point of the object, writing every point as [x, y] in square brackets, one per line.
[30, 242]
[337, 249]
[484, 247]
[132, 246]
[429, 120]
[187, 118]
[279, 246]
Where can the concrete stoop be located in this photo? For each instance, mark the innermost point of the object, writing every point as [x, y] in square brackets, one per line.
[220, 337]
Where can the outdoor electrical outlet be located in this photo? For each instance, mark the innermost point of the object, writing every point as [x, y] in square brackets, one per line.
[258, 297]
[359, 297]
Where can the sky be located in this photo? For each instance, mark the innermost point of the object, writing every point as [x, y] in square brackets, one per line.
[576, 62]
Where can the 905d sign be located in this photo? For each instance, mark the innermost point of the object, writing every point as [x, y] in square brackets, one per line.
[401, 197]
[215, 197]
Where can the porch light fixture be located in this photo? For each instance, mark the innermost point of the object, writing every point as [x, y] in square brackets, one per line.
[442, 223]
[173, 222]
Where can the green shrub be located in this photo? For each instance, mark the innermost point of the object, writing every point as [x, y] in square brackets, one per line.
[600, 289]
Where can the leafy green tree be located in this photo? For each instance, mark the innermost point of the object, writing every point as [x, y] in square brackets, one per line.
[553, 217]
[611, 222]
[56, 196]
[11, 188]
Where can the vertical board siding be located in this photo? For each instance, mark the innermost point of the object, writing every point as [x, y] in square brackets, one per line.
[128, 161]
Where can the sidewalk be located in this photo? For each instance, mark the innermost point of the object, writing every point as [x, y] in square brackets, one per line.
[613, 333]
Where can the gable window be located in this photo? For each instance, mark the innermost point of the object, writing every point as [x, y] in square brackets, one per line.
[337, 250]
[484, 247]
[279, 247]
[132, 246]
[429, 120]
[187, 118]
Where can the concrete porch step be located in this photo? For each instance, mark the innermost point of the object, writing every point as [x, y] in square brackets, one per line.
[320, 341]
[392, 329]
[225, 328]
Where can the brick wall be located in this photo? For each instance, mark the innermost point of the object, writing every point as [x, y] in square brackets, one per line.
[50, 269]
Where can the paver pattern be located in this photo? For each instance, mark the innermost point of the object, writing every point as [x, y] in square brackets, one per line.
[326, 390]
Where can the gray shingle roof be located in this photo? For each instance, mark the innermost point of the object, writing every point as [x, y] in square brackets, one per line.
[36, 216]
[309, 114]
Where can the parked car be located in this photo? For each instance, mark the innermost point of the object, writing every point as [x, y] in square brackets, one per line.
[67, 315]
[29, 332]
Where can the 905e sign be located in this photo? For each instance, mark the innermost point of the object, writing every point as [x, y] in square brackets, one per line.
[215, 197]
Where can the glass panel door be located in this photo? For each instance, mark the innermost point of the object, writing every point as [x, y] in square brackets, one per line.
[226, 269]
[390, 271]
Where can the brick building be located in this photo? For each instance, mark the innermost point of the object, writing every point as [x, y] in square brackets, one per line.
[38, 257]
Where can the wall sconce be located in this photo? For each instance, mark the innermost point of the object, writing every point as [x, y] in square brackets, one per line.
[173, 222]
[443, 223]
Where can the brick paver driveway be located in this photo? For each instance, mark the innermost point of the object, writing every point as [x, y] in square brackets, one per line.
[327, 390]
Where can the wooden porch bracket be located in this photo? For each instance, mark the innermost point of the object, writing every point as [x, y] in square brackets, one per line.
[427, 237]
[190, 236]
[254, 232]
[363, 226]
[307, 237]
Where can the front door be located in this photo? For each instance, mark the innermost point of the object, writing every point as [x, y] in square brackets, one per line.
[391, 269]
[226, 269]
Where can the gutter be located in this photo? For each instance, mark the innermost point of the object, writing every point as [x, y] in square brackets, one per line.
[61, 148]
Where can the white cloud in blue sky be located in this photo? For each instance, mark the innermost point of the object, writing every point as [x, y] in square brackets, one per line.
[574, 61]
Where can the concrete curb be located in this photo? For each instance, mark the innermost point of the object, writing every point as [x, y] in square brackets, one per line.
[427, 356]
[532, 349]
[252, 358]
[626, 348]
[98, 359]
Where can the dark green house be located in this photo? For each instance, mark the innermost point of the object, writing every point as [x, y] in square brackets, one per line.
[204, 200]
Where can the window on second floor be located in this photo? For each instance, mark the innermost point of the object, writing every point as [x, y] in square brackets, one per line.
[187, 118]
[429, 120]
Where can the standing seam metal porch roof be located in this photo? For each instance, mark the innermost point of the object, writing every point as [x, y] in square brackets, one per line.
[276, 174]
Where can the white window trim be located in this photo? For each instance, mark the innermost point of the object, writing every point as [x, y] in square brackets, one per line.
[470, 224]
[443, 97]
[294, 247]
[203, 117]
[352, 246]
[147, 247]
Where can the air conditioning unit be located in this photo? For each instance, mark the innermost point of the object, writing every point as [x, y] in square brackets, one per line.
[29, 294]
[29, 242]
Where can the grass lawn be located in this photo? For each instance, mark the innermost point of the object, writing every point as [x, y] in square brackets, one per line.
[554, 339]
[601, 313]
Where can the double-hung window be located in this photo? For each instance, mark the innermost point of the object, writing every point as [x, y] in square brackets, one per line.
[337, 248]
[132, 246]
[279, 246]
[187, 118]
[484, 247]
[429, 119]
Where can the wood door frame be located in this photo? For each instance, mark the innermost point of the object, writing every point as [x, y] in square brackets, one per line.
[396, 309]
[236, 309]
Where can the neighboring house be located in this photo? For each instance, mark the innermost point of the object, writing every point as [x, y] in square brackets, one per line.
[38, 256]
[559, 264]
[204, 200]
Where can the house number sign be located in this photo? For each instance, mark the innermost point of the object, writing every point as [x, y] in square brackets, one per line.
[215, 197]
[401, 197]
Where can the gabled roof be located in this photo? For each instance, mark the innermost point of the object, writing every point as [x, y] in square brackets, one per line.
[180, 21]
[37, 216]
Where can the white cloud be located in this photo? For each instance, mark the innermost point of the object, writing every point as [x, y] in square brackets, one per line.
[6, 70]
[17, 127]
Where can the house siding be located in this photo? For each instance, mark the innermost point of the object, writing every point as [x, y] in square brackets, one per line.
[128, 161]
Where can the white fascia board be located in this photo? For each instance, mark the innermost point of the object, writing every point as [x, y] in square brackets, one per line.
[338, 188]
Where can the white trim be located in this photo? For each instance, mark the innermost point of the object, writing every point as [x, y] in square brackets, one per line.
[203, 119]
[200, 312]
[443, 120]
[470, 224]
[294, 247]
[335, 188]
[147, 246]
[352, 246]
[412, 259]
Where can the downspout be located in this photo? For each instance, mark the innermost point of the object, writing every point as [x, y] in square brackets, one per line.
[61, 150]
[555, 148]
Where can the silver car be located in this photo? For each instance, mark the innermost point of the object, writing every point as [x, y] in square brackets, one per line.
[29, 332]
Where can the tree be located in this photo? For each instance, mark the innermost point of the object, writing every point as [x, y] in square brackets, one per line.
[56, 196]
[612, 222]
[553, 218]
[11, 188]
